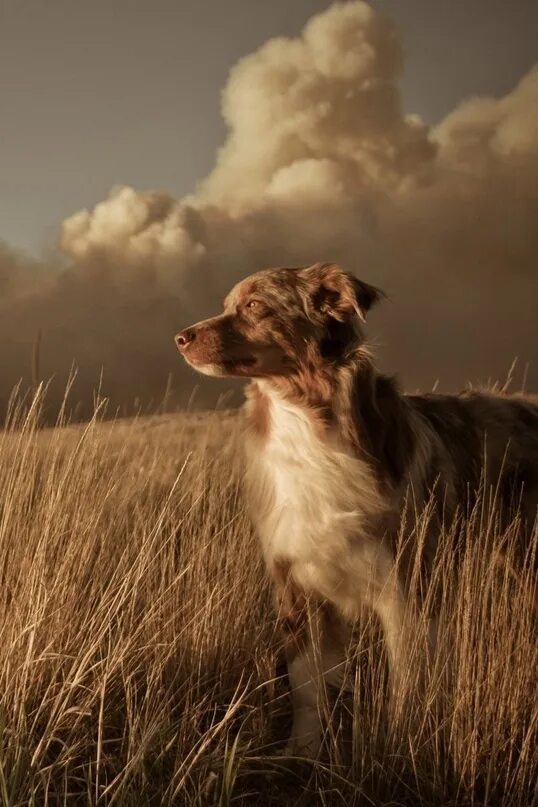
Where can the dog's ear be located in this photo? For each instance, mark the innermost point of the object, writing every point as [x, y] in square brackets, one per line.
[339, 294]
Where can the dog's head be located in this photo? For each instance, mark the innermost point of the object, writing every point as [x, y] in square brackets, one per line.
[277, 320]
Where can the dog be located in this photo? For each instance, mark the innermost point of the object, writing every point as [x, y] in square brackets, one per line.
[336, 456]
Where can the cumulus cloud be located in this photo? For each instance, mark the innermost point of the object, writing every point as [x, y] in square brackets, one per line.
[320, 162]
[134, 227]
[329, 97]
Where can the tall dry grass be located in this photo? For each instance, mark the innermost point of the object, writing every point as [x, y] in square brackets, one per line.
[140, 661]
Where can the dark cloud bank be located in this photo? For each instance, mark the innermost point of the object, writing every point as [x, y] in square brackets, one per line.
[320, 163]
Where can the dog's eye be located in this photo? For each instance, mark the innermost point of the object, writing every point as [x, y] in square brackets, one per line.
[252, 304]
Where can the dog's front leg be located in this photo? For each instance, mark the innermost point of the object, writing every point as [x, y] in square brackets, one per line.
[316, 653]
[307, 727]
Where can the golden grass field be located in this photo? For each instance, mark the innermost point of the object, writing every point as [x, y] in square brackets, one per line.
[140, 663]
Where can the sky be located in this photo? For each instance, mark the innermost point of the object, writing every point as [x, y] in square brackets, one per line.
[154, 153]
[95, 94]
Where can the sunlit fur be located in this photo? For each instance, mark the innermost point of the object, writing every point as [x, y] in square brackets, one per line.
[340, 464]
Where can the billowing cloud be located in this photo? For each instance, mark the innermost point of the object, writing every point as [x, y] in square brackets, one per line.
[320, 162]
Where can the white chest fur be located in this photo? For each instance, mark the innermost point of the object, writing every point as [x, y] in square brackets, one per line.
[311, 501]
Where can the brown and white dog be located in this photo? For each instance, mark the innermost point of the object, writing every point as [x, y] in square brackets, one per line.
[334, 455]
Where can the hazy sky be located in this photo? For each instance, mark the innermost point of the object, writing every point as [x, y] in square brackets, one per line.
[399, 139]
[99, 93]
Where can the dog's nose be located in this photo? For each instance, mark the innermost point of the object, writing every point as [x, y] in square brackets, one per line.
[184, 338]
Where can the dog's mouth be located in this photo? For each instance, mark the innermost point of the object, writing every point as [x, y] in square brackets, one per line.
[247, 362]
[242, 366]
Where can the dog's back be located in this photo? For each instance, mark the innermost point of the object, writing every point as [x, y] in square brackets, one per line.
[489, 442]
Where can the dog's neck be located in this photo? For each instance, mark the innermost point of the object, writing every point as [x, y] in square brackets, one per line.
[349, 398]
